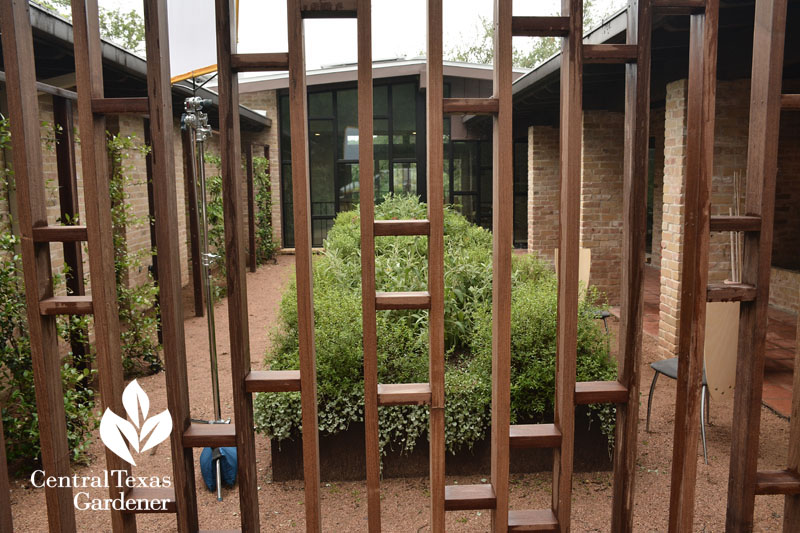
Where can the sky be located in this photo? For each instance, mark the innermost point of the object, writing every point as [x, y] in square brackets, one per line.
[398, 28]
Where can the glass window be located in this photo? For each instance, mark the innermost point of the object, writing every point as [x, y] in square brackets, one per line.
[349, 186]
[404, 121]
[380, 100]
[381, 179]
[405, 178]
[320, 105]
[465, 167]
[467, 205]
[347, 120]
[321, 161]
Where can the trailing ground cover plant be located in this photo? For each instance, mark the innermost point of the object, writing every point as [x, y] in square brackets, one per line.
[401, 264]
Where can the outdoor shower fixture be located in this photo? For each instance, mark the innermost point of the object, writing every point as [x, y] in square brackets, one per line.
[196, 121]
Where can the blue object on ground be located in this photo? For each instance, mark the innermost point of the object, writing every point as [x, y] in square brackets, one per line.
[228, 461]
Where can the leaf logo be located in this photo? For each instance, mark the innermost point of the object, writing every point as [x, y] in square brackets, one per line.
[115, 430]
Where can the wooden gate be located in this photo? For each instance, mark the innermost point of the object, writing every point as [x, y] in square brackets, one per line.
[745, 481]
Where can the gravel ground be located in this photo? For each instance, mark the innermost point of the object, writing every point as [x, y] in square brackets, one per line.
[405, 501]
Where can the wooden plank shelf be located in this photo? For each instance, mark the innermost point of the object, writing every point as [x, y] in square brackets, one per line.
[66, 305]
[532, 520]
[735, 223]
[385, 301]
[60, 234]
[610, 53]
[388, 228]
[272, 381]
[120, 106]
[790, 101]
[469, 497]
[778, 482]
[328, 9]
[587, 392]
[209, 435]
[150, 494]
[540, 26]
[535, 436]
[404, 394]
[259, 62]
[730, 292]
[470, 106]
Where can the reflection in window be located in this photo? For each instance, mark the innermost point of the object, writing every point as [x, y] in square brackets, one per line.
[405, 178]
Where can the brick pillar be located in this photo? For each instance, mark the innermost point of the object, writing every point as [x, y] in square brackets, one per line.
[730, 156]
[543, 190]
[672, 218]
[601, 198]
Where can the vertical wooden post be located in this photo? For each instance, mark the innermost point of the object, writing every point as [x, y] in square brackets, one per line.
[94, 162]
[6, 523]
[251, 211]
[435, 173]
[230, 144]
[634, 229]
[298, 106]
[68, 201]
[694, 267]
[762, 159]
[502, 245]
[190, 177]
[367, 216]
[571, 124]
[165, 209]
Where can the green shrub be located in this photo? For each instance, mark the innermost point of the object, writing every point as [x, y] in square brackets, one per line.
[401, 264]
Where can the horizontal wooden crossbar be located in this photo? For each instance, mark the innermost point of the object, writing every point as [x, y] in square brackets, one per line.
[120, 106]
[790, 101]
[600, 392]
[535, 436]
[328, 9]
[404, 394]
[778, 482]
[259, 62]
[385, 301]
[469, 497]
[679, 6]
[66, 305]
[272, 381]
[209, 435]
[730, 292]
[384, 228]
[532, 520]
[540, 26]
[735, 223]
[470, 106]
[150, 494]
[610, 53]
[60, 234]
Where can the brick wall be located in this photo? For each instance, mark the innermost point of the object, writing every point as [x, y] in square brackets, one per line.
[601, 198]
[543, 190]
[267, 101]
[784, 289]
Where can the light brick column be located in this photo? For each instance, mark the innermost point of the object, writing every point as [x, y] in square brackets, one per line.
[601, 198]
[543, 190]
[730, 156]
[672, 219]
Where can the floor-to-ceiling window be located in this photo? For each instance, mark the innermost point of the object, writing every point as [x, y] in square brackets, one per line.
[333, 151]
[399, 123]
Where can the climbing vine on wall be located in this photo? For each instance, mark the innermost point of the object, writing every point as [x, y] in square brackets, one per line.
[266, 247]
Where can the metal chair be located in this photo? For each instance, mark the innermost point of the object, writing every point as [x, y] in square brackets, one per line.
[669, 367]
